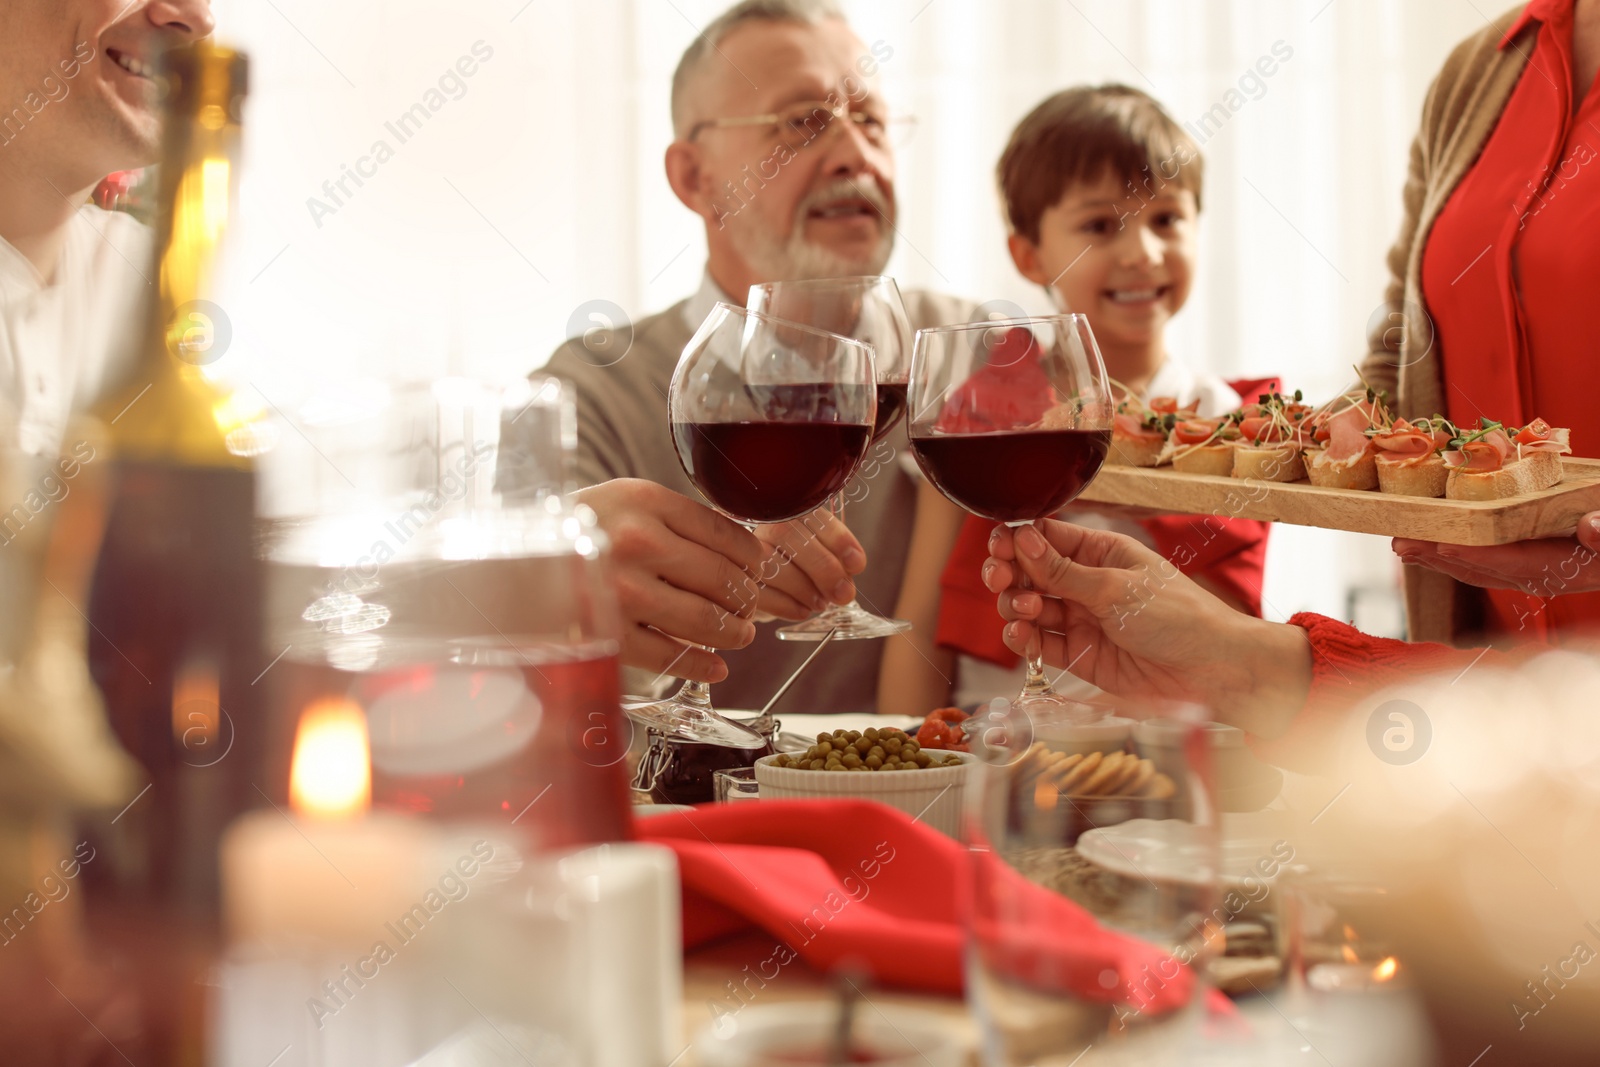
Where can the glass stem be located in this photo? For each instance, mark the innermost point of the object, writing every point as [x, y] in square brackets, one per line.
[696, 694]
[838, 513]
[1036, 684]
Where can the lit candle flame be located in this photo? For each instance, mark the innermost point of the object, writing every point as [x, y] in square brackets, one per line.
[1349, 954]
[1385, 970]
[330, 776]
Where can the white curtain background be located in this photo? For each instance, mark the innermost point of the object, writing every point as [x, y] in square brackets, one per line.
[537, 187]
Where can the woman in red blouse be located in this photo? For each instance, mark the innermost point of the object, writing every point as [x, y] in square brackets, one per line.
[1502, 208]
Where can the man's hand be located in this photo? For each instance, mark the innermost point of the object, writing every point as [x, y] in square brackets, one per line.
[1548, 567]
[683, 574]
[1122, 618]
[820, 556]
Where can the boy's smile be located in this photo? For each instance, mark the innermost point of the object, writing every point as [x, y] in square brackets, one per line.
[1125, 260]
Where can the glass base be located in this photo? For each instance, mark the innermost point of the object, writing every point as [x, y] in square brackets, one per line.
[848, 622]
[1050, 706]
[684, 718]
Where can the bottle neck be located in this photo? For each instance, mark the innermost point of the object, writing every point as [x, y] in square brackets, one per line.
[172, 410]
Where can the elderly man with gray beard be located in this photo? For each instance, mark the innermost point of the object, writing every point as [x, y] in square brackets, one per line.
[794, 178]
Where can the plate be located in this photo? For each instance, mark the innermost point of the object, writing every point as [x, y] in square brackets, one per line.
[1169, 850]
[1552, 512]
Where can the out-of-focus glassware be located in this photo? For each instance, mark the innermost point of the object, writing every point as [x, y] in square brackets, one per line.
[445, 585]
[1327, 935]
[736, 783]
[1095, 903]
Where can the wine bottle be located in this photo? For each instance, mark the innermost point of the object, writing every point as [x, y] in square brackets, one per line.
[175, 608]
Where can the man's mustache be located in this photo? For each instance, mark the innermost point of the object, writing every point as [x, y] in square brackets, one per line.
[865, 188]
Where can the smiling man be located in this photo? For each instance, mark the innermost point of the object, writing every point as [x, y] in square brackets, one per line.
[782, 147]
[77, 102]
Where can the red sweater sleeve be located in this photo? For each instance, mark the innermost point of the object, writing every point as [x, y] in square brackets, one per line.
[1348, 666]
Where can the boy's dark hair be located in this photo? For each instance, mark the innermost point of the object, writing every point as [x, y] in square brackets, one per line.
[1081, 134]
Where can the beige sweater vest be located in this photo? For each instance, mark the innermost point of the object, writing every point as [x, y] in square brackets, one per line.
[1458, 114]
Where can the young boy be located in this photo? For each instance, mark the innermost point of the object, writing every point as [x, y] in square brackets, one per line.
[1102, 191]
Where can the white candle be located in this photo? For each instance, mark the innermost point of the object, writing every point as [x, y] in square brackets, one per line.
[289, 878]
[328, 872]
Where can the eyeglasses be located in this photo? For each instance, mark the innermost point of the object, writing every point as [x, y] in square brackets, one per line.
[801, 124]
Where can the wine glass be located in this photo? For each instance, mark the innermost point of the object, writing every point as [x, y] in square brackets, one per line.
[770, 418]
[1010, 419]
[867, 308]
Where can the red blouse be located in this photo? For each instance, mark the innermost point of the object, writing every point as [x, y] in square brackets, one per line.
[1348, 666]
[1509, 273]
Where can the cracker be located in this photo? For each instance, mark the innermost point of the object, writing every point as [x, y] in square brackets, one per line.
[1079, 773]
[1110, 770]
[1160, 787]
[1064, 767]
[1118, 785]
[1135, 783]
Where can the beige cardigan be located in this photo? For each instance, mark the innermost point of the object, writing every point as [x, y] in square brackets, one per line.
[1459, 113]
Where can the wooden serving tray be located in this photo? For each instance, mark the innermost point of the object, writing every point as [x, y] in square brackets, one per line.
[1554, 512]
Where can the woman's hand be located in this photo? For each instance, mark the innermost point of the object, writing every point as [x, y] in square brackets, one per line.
[1122, 618]
[1548, 567]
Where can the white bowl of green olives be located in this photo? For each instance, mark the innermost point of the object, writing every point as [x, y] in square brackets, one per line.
[883, 765]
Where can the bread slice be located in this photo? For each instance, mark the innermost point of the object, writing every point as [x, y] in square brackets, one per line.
[1215, 458]
[1271, 463]
[1135, 451]
[1533, 472]
[1425, 477]
[1360, 473]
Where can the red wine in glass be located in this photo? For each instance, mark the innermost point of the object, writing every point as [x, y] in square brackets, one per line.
[769, 471]
[891, 405]
[868, 309]
[1013, 476]
[1011, 419]
[769, 417]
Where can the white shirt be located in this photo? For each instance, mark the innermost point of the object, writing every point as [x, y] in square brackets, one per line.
[979, 681]
[64, 340]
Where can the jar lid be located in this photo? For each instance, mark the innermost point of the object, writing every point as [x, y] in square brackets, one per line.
[1109, 729]
[1170, 733]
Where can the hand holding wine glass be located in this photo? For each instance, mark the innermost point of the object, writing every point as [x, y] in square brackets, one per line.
[1011, 420]
[1129, 622]
[769, 419]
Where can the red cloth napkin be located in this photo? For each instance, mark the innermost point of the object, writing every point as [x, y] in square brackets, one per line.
[851, 879]
[1228, 553]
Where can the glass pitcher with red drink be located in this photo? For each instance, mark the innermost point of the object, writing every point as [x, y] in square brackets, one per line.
[444, 582]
